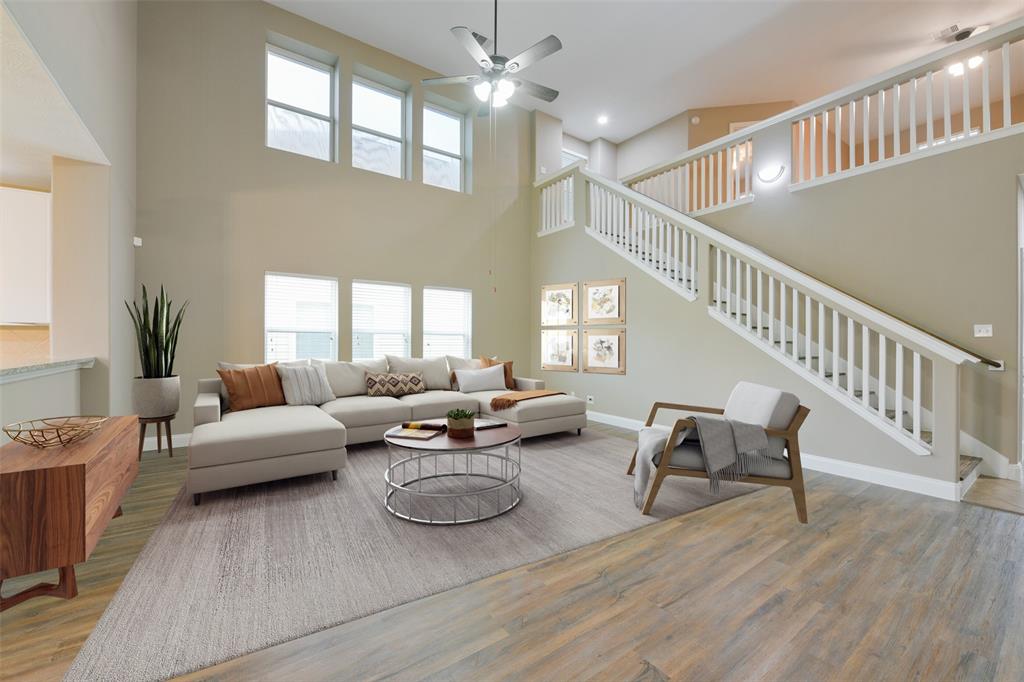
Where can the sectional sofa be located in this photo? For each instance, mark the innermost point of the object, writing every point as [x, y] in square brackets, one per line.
[230, 449]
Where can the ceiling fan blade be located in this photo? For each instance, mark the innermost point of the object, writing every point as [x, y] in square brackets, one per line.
[451, 80]
[465, 36]
[535, 90]
[486, 43]
[548, 46]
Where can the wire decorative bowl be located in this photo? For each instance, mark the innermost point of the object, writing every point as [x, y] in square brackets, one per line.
[53, 432]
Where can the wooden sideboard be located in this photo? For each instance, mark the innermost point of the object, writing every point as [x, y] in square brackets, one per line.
[55, 504]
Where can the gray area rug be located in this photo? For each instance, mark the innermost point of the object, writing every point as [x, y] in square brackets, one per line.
[260, 565]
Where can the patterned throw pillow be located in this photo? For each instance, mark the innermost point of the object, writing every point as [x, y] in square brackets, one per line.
[394, 385]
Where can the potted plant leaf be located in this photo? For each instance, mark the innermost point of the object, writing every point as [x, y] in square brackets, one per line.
[460, 423]
[157, 393]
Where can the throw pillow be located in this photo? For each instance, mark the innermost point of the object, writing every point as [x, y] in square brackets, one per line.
[510, 381]
[394, 385]
[433, 370]
[455, 363]
[487, 379]
[224, 398]
[305, 385]
[349, 378]
[258, 386]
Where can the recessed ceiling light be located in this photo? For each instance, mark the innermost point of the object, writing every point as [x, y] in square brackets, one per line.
[602, 119]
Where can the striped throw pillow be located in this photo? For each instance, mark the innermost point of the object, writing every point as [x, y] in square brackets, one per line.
[305, 385]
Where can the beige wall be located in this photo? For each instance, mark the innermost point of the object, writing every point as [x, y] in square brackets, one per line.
[81, 325]
[217, 208]
[676, 135]
[547, 144]
[90, 49]
[604, 157]
[53, 395]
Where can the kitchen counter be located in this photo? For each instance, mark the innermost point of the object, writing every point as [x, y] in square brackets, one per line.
[32, 371]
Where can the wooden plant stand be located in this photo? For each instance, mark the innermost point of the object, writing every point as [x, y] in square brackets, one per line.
[56, 503]
[166, 422]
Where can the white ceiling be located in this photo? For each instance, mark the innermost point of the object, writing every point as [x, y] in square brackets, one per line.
[36, 120]
[641, 62]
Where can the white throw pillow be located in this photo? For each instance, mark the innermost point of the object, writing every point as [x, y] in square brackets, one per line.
[488, 379]
[349, 378]
[304, 384]
[461, 364]
[434, 370]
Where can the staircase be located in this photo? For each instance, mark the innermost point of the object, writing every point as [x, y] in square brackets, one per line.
[900, 379]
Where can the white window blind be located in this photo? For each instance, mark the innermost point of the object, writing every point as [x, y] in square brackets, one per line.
[300, 317]
[447, 322]
[381, 320]
[300, 111]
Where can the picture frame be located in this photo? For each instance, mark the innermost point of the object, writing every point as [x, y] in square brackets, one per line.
[604, 351]
[559, 304]
[604, 302]
[559, 350]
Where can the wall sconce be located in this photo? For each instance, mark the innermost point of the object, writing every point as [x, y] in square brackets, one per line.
[770, 173]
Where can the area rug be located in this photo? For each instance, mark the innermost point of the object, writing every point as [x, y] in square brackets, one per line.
[260, 565]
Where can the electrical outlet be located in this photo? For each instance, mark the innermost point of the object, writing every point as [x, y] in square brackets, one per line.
[982, 331]
[590, 400]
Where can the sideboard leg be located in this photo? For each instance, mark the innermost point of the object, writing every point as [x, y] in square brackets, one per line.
[66, 588]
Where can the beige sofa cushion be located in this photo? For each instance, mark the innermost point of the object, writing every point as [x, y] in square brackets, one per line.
[433, 370]
[264, 432]
[532, 410]
[349, 378]
[435, 404]
[364, 410]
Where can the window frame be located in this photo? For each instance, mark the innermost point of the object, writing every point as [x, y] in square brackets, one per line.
[423, 312]
[408, 335]
[402, 140]
[437, 108]
[331, 119]
[298, 275]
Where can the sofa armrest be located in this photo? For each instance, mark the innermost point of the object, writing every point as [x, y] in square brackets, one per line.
[206, 409]
[210, 385]
[523, 384]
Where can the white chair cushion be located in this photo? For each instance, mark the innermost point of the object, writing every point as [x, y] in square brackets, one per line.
[365, 410]
[763, 405]
[435, 404]
[433, 370]
[264, 432]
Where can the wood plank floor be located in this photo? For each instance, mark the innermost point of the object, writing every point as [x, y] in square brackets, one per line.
[39, 638]
[881, 585]
[997, 493]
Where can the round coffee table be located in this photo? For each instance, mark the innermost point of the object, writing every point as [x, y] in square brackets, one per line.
[451, 481]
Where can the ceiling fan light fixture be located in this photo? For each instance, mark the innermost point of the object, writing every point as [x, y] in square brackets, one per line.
[505, 88]
[498, 100]
[482, 90]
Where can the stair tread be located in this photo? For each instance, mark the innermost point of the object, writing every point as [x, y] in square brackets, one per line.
[967, 465]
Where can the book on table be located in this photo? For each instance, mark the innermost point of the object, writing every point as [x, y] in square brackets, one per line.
[416, 434]
[484, 424]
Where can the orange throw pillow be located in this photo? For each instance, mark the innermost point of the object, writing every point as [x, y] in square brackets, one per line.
[258, 386]
[510, 382]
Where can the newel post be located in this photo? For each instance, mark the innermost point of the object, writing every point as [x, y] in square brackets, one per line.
[579, 198]
[946, 416]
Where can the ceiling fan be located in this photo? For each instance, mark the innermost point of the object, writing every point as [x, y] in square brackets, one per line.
[498, 78]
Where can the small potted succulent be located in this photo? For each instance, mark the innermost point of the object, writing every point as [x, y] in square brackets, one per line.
[460, 423]
[158, 391]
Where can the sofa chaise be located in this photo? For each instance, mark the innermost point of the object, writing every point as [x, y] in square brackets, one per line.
[230, 449]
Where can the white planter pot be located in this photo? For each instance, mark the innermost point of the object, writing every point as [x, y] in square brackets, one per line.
[156, 397]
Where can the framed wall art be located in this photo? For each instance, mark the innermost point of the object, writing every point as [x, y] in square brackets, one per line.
[558, 350]
[604, 302]
[559, 304]
[604, 351]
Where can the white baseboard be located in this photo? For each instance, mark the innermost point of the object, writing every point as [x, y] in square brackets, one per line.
[180, 442]
[933, 487]
[1015, 472]
[946, 490]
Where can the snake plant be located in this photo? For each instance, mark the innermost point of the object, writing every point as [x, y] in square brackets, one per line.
[156, 334]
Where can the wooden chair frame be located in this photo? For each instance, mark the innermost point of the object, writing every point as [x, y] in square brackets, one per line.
[795, 482]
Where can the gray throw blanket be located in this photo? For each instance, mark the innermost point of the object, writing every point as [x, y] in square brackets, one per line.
[727, 446]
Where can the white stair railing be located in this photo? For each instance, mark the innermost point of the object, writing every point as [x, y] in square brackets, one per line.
[902, 380]
[961, 98]
[558, 200]
[707, 179]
